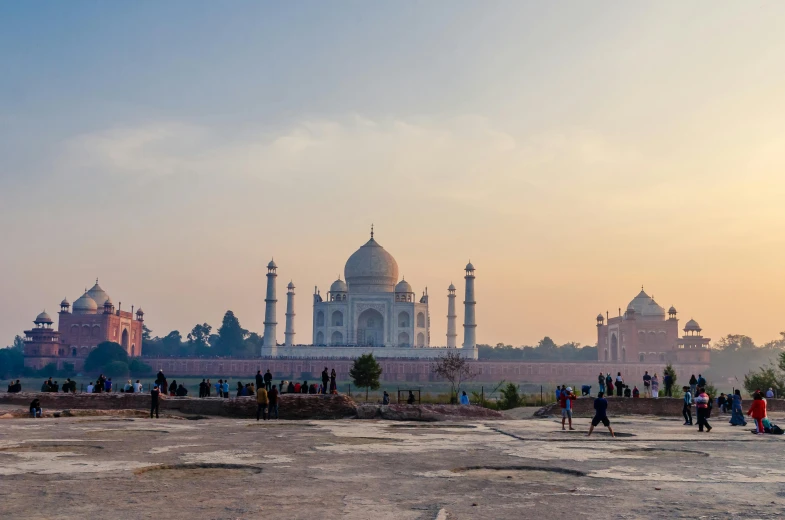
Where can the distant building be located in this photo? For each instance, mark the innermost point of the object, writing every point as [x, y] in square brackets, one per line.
[93, 321]
[643, 334]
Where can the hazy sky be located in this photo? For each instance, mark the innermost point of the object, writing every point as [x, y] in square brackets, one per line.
[573, 151]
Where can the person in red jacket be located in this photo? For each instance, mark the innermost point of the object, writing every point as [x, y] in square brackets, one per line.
[758, 411]
[566, 397]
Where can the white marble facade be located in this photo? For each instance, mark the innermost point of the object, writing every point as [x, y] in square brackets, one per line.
[370, 307]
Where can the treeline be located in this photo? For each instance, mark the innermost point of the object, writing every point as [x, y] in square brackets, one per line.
[230, 340]
[546, 350]
[735, 355]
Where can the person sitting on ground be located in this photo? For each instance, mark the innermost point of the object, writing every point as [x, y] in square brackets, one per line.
[600, 415]
[240, 389]
[385, 398]
[770, 393]
[107, 385]
[17, 387]
[138, 387]
[90, 388]
[312, 389]
[635, 392]
[296, 388]
[45, 386]
[627, 391]
[319, 391]
[758, 411]
[304, 387]
[464, 398]
[35, 409]
[129, 387]
[181, 391]
[280, 386]
[411, 399]
[722, 403]
[252, 389]
[173, 387]
[55, 387]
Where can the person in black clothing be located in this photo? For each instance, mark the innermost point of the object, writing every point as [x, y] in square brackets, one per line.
[154, 395]
[201, 388]
[259, 379]
[290, 388]
[333, 385]
[304, 388]
[181, 391]
[325, 380]
[272, 397]
[411, 399]
[173, 387]
[268, 381]
[600, 414]
[35, 409]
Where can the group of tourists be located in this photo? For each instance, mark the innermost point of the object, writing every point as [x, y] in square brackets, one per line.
[651, 385]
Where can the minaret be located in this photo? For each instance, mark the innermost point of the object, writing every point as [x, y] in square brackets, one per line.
[289, 333]
[269, 308]
[469, 324]
[451, 317]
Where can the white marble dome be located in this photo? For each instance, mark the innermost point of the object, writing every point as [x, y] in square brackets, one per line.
[403, 287]
[98, 295]
[338, 286]
[371, 269]
[85, 305]
[43, 318]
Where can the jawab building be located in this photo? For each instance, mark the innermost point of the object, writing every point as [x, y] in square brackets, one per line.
[370, 310]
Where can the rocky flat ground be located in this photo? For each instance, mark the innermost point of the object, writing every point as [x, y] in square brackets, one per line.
[131, 467]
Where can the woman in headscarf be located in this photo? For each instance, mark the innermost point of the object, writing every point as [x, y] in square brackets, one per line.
[333, 375]
[655, 386]
[737, 414]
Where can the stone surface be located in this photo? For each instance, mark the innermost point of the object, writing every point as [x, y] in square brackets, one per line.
[663, 407]
[425, 412]
[228, 468]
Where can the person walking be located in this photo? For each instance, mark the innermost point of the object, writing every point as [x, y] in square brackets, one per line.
[600, 415]
[758, 411]
[685, 409]
[693, 384]
[702, 403]
[647, 384]
[737, 412]
[565, 403]
[619, 384]
[272, 395]
[655, 386]
[155, 394]
[262, 400]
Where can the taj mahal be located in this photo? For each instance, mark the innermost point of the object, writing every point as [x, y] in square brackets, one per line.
[369, 311]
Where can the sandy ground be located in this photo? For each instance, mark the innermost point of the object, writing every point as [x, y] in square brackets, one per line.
[97, 467]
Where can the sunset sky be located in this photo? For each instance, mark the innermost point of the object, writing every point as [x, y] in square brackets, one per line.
[573, 151]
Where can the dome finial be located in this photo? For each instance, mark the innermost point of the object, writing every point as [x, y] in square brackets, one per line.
[96, 279]
[371, 229]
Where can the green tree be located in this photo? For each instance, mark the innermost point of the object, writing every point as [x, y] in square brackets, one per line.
[172, 342]
[103, 354]
[138, 367]
[146, 333]
[19, 343]
[365, 373]
[454, 368]
[671, 372]
[12, 360]
[199, 339]
[763, 379]
[510, 398]
[116, 369]
[231, 336]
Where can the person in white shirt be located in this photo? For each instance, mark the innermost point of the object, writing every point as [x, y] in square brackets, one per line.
[137, 387]
[90, 388]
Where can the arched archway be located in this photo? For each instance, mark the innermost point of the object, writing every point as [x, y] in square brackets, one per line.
[623, 355]
[642, 358]
[420, 339]
[403, 319]
[337, 319]
[370, 328]
[320, 319]
[133, 350]
[614, 348]
[337, 338]
[606, 354]
[319, 338]
[124, 342]
[420, 320]
[403, 339]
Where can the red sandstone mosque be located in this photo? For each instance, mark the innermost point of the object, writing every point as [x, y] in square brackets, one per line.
[93, 321]
[644, 335]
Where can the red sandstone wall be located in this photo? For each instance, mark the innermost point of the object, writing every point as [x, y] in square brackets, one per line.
[404, 370]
